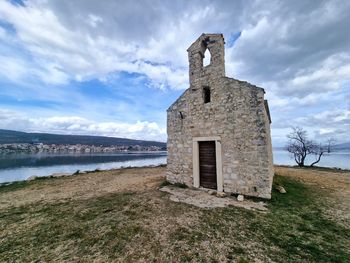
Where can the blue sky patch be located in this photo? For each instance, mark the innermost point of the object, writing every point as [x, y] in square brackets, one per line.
[233, 38]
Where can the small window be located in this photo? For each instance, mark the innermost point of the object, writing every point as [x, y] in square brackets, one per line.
[206, 94]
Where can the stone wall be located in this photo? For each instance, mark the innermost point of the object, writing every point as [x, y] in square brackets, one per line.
[236, 114]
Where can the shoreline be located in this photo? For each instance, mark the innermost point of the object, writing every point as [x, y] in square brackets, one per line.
[78, 172]
[321, 168]
[80, 153]
[22, 168]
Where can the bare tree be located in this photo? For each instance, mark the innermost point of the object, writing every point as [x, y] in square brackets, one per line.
[300, 147]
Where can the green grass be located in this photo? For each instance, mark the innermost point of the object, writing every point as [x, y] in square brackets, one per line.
[167, 183]
[297, 225]
[295, 230]
[16, 185]
[12, 186]
[180, 185]
[148, 226]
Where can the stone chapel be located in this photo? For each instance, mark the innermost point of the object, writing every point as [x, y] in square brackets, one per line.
[219, 128]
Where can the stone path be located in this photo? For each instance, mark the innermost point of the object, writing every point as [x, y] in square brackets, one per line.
[203, 199]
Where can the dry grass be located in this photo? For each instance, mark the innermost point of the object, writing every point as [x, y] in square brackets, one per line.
[120, 216]
[332, 184]
[81, 186]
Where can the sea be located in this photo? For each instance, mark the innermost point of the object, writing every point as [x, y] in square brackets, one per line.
[337, 159]
[18, 167]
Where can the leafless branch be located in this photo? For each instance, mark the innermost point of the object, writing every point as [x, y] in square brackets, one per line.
[300, 146]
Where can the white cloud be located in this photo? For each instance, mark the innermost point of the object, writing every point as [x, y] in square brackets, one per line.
[300, 46]
[2, 33]
[85, 40]
[17, 69]
[329, 118]
[333, 72]
[326, 131]
[284, 43]
[12, 68]
[142, 130]
[298, 50]
[320, 125]
[94, 20]
[66, 53]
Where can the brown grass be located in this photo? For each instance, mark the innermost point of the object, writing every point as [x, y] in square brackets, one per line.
[83, 186]
[120, 216]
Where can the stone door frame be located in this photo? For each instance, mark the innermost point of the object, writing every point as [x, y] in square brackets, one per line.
[218, 153]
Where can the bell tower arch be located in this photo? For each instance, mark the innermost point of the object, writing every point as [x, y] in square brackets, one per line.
[215, 44]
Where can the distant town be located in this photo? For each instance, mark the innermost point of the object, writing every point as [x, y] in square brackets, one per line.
[23, 142]
[68, 148]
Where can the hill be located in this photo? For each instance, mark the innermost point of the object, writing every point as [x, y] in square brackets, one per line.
[342, 146]
[8, 136]
[338, 147]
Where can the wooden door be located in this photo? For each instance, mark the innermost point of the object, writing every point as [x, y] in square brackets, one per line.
[207, 164]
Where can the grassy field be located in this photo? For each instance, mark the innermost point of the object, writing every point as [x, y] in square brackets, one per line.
[144, 225]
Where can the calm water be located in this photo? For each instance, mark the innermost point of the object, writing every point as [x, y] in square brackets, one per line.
[18, 167]
[339, 159]
[21, 166]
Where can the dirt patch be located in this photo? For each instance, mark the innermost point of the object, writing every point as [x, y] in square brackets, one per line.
[337, 181]
[84, 186]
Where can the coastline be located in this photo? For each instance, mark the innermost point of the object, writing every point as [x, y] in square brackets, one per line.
[78, 172]
[19, 168]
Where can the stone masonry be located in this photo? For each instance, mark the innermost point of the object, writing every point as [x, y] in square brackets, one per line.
[236, 117]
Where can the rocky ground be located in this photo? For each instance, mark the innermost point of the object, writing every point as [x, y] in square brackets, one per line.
[121, 216]
[211, 199]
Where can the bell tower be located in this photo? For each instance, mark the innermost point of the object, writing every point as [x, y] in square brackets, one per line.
[215, 44]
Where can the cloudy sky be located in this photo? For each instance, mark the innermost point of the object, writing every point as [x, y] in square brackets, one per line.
[113, 67]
